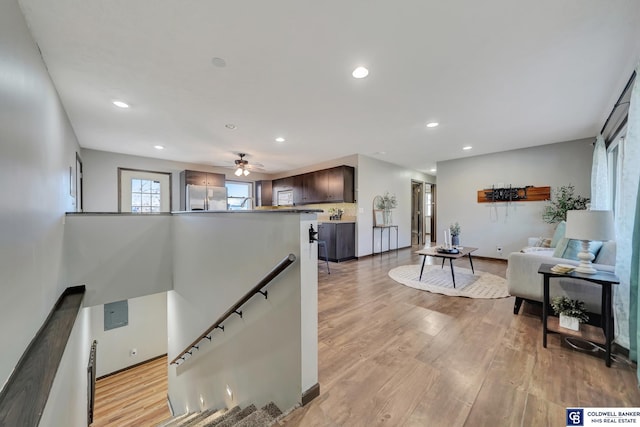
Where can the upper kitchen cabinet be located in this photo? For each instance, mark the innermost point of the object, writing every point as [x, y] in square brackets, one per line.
[264, 193]
[189, 177]
[201, 179]
[333, 185]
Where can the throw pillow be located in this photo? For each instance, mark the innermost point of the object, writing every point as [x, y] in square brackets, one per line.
[559, 234]
[570, 249]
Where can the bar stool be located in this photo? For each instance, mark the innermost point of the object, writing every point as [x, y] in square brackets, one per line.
[322, 244]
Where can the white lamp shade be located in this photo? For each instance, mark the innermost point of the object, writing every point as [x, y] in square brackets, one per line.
[590, 225]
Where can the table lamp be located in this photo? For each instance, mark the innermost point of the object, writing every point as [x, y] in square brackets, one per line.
[587, 226]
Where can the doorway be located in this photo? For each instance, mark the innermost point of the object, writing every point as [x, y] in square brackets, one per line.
[142, 191]
[430, 213]
[417, 223]
[77, 194]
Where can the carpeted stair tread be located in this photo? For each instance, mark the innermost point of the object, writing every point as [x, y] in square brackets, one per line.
[211, 418]
[231, 421]
[259, 418]
[201, 416]
[227, 415]
[272, 409]
[182, 419]
[172, 420]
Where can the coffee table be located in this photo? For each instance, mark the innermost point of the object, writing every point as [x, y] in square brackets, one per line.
[431, 251]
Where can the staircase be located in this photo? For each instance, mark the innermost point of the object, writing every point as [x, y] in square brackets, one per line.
[234, 417]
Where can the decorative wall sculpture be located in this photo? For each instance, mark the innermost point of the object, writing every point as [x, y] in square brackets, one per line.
[514, 194]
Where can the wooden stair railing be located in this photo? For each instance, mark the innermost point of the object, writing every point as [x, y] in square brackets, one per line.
[235, 309]
[25, 395]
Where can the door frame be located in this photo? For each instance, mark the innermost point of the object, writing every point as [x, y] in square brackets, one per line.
[417, 211]
[170, 189]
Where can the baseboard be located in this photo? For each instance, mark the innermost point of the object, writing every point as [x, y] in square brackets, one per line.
[130, 367]
[310, 394]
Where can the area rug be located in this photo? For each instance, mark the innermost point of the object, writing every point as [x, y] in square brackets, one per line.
[438, 280]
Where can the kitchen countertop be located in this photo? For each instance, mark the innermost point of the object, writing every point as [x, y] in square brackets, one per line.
[332, 221]
[260, 211]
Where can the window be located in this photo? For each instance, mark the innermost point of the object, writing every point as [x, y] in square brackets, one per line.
[144, 191]
[145, 195]
[239, 195]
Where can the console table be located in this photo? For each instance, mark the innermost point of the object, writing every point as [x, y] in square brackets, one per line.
[382, 228]
[601, 278]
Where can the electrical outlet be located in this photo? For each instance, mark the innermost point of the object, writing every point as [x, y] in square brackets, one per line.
[499, 249]
[133, 352]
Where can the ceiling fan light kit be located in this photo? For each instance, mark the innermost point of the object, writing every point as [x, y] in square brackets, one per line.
[241, 166]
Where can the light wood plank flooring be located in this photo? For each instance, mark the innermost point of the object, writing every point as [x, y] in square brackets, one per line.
[136, 397]
[395, 356]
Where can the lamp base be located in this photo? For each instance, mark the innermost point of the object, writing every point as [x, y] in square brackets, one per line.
[585, 258]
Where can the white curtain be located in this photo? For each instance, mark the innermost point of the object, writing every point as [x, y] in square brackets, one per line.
[625, 214]
[600, 198]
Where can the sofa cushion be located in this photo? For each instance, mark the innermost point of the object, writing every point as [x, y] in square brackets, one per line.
[607, 254]
[559, 234]
[570, 248]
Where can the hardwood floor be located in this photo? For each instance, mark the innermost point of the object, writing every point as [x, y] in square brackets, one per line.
[396, 356]
[136, 397]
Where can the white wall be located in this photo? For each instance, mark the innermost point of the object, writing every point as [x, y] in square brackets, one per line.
[101, 177]
[263, 355]
[37, 148]
[487, 225]
[146, 332]
[67, 404]
[376, 177]
[119, 256]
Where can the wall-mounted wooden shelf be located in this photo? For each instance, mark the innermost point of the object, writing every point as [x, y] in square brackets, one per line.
[514, 194]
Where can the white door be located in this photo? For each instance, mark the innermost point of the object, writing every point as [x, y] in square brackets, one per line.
[144, 191]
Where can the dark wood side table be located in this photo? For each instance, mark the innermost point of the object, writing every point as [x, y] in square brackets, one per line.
[601, 278]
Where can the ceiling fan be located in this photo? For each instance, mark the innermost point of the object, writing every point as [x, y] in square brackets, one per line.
[243, 167]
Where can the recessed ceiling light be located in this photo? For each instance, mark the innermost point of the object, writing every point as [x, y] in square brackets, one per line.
[360, 73]
[230, 126]
[467, 147]
[219, 62]
[432, 124]
[433, 170]
[159, 147]
[120, 104]
[280, 139]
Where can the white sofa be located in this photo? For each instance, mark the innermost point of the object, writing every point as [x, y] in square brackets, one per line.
[525, 283]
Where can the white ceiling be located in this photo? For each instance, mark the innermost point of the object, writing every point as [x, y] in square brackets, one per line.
[496, 75]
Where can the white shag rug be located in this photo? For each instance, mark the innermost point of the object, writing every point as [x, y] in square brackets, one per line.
[438, 280]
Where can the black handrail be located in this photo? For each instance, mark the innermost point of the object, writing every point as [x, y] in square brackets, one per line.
[282, 265]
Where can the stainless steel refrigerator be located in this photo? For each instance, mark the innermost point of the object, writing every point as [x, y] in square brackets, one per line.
[205, 198]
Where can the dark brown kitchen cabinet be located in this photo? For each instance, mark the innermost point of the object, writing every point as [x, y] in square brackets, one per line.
[264, 193]
[210, 179]
[341, 186]
[332, 185]
[340, 238]
[189, 177]
[315, 187]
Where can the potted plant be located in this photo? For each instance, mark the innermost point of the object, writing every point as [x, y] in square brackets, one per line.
[385, 204]
[563, 200]
[454, 229]
[572, 312]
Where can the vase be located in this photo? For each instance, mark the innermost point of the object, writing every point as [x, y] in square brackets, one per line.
[569, 322]
[455, 240]
[386, 216]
